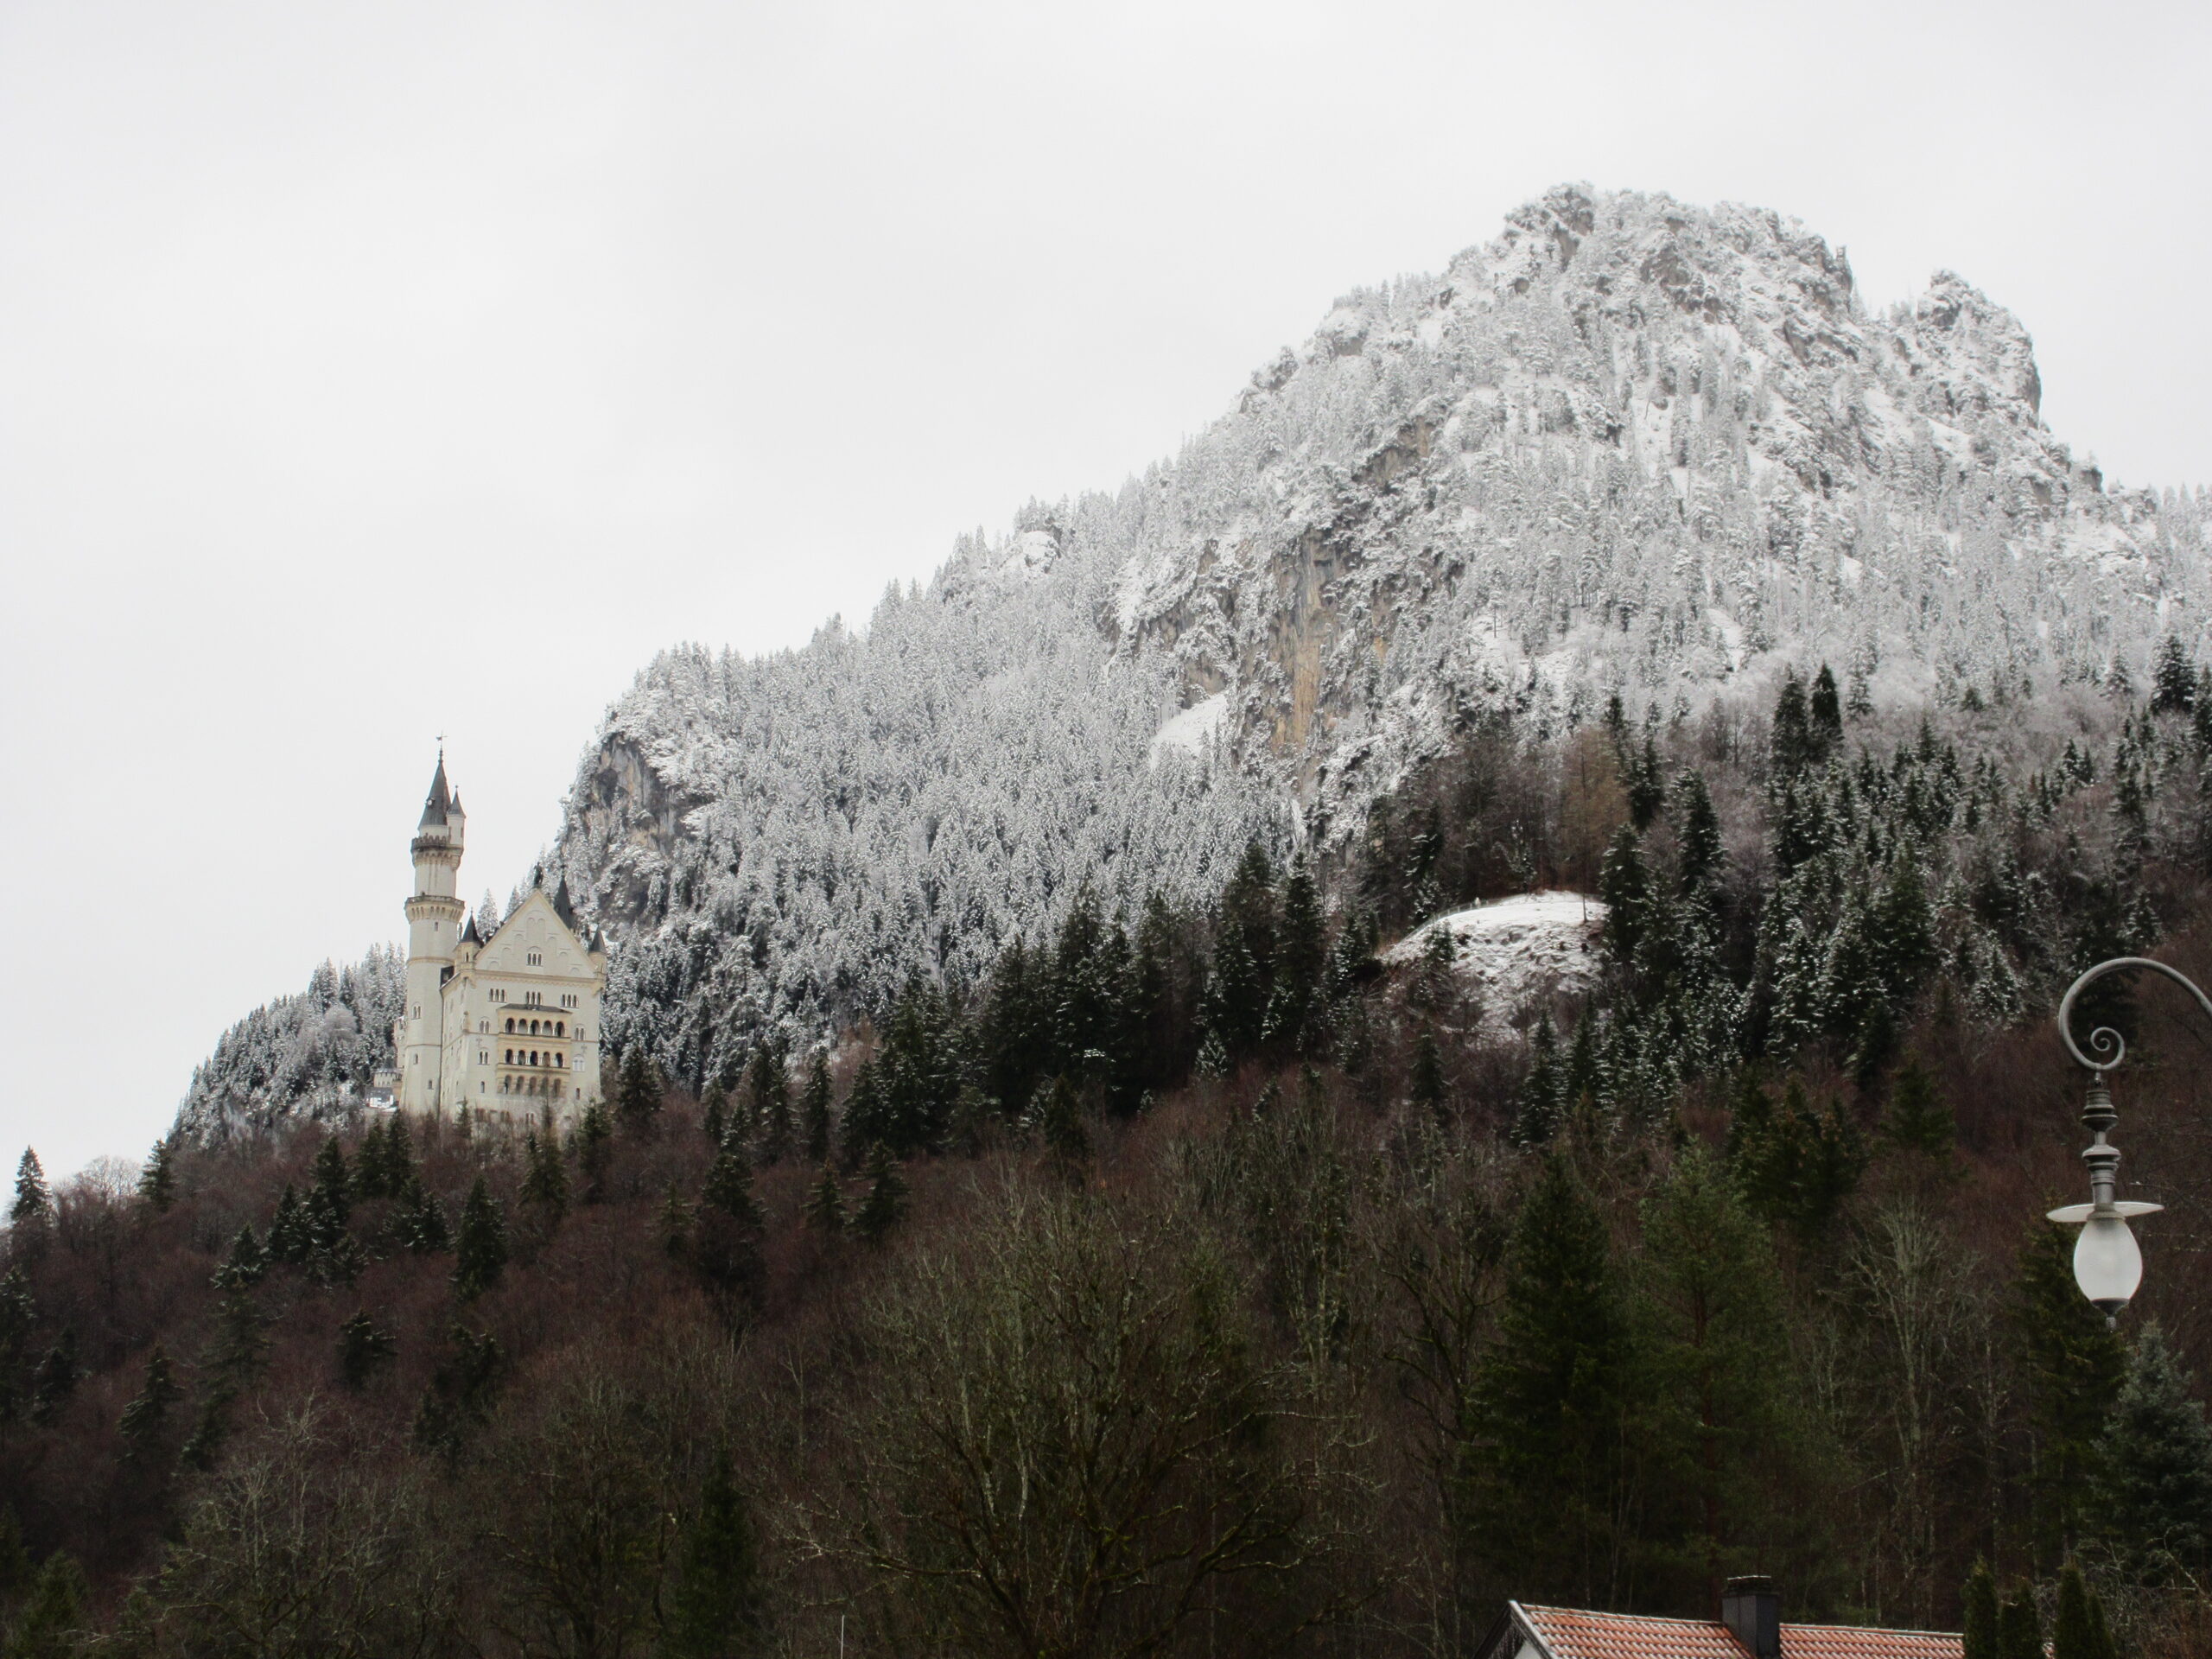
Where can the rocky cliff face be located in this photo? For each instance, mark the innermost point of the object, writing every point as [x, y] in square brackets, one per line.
[1629, 445]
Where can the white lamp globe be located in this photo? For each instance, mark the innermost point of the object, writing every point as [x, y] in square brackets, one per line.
[2107, 1264]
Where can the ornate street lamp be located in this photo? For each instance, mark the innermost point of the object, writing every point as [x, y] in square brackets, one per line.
[2107, 1263]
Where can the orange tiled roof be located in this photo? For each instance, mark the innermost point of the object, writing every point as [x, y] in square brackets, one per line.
[1570, 1633]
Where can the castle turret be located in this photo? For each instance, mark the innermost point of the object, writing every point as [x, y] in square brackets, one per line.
[434, 925]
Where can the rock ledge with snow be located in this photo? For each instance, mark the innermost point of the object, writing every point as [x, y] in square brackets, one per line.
[1512, 951]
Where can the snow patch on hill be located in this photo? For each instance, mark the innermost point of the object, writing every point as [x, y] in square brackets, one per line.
[1192, 731]
[1511, 952]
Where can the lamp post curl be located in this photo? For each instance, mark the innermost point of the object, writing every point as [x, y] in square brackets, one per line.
[2107, 1264]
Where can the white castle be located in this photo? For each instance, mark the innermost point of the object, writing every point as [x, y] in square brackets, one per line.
[507, 1024]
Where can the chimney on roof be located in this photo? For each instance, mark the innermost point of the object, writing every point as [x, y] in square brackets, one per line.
[1751, 1607]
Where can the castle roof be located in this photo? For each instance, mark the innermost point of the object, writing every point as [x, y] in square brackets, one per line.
[1577, 1633]
[469, 935]
[441, 801]
[562, 907]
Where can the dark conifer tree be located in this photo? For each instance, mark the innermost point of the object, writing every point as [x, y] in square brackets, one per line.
[1823, 717]
[2079, 1631]
[52, 1624]
[289, 1239]
[544, 1188]
[728, 1189]
[481, 1250]
[675, 1222]
[30, 1217]
[369, 1177]
[18, 1315]
[885, 1206]
[1551, 1398]
[157, 1181]
[1647, 791]
[2019, 1626]
[716, 1610]
[462, 1389]
[1918, 1121]
[2154, 1468]
[1979, 1626]
[713, 1114]
[1791, 746]
[1067, 1143]
[637, 1094]
[1426, 1087]
[594, 1150]
[2074, 1369]
[769, 1088]
[1018, 1020]
[1301, 958]
[1625, 886]
[147, 1415]
[419, 1220]
[1700, 858]
[825, 1202]
[244, 1267]
[361, 1348]
[1538, 1117]
[2173, 682]
[333, 1192]
[814, 1123]
[863, 1123]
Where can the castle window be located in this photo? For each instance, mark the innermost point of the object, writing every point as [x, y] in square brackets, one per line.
[557, 1089]
[533, 1056]
[560, 1028]
[535, 958]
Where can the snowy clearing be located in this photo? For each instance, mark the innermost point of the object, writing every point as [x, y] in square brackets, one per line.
[1507, 953]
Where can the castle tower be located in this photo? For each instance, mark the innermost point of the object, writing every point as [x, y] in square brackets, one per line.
[434, 925]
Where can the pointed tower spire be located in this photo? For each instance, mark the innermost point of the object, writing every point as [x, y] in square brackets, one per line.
[441, 798]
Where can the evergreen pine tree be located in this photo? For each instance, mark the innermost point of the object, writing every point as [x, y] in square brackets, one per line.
[1300, 958]
[594, 1150]
[716, 1609]
[714, 1114]
[2078, 1630]
[1625, 886]
[362, 1348]
[31, 1214]
[2154, 1470]
[157, 1181]
[54, 1617]
[15, 1569]
[886, 1202]
[1426, 1087]
[863, 1124]
[246, 1264]
[637, 1094]
[1647, 791]
[1723, 1425]
[1067, 1143]
[1701, 857]
[1823, 717]
[1551, 1397]
[2019, 1626]
[1538, 1117]
[814, 1108]
[55, 1380]
[419, 1220]
[1791, 746]
[1918, 1121]
[332, 1193]
[675, 1222]
[288, 1238]
[825, 1202]
[728, 1189]
[544, 1189]
[771, 1103]
[2173, 684]
[370, 1178]
[146, 1414]
[458, 1401]
[17, 1316]
[2074, 1368]
[1979, 1635]
[481, 1250]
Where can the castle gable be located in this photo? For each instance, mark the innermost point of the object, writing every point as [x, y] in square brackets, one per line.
[535, 940]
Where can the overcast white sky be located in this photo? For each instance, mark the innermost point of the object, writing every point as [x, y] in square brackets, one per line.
[371, 370]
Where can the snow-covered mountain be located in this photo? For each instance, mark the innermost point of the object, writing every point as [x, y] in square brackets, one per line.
[1629, 444]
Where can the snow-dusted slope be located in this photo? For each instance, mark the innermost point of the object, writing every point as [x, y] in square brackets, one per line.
[1629, 444]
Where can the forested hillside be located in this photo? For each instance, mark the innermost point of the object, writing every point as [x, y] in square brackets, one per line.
[1186, 1280]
